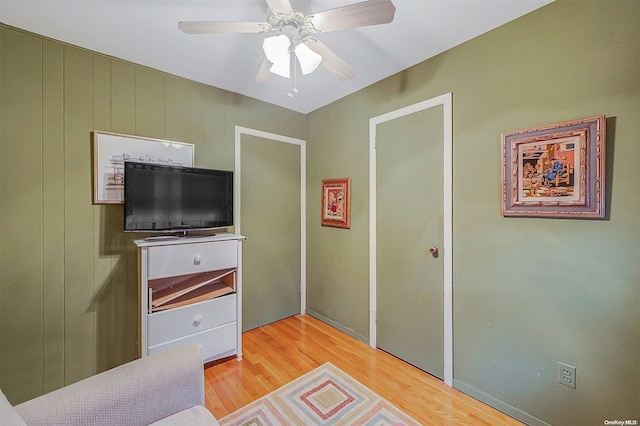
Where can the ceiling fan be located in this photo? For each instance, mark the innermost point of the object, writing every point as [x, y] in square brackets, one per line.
[293, 27]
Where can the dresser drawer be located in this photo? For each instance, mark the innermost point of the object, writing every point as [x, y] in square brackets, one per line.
[174, 323]
[183, 259]
[214, 343]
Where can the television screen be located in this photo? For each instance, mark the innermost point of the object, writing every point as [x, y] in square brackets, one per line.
[169, 198]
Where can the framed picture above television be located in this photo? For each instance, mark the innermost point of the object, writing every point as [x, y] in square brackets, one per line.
[112, 150]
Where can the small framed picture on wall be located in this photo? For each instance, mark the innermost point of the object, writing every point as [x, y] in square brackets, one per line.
[336, 203]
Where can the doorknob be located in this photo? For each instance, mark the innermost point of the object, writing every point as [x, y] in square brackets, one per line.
[433, 250]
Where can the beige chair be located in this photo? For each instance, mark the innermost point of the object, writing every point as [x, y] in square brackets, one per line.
[162, 389]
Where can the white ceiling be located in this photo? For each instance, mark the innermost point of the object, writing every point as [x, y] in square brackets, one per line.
[146, 32]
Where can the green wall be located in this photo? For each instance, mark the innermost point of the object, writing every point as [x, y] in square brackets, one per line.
[68, 292]
[528, 292]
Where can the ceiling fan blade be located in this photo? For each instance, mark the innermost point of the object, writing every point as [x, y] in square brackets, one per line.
[280, 6]
[263, 73]
[371, 12]
[332, 62]
[208, 27]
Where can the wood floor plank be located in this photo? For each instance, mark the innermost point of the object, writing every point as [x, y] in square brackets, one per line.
[276, 354]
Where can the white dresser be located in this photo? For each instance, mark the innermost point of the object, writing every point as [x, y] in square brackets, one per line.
[191, 292]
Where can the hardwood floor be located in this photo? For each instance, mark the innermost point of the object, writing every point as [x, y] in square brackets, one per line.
[278, 353]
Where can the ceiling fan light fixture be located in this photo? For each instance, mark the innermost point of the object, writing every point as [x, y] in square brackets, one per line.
[308, 59]
[277, 51]
[296, 26]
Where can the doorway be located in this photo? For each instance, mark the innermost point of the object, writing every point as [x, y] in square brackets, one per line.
[410, 235]
[270, 193]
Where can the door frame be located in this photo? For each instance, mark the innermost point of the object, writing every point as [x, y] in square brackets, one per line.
[239, 132]
[447, 253]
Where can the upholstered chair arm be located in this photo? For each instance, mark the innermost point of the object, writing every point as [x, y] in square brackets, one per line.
[137, 393]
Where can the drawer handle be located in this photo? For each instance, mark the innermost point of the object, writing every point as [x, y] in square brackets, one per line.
[197, 260]
[197, 320]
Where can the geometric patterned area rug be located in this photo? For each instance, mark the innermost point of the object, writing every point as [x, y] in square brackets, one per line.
[324, 396]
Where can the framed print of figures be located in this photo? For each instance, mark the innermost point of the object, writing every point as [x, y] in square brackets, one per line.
[555, 170]
[111, 150]
[336, 202]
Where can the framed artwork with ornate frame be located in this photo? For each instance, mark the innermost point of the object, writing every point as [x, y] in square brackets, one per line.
[111, 150]
[336, 203]
[556, 170]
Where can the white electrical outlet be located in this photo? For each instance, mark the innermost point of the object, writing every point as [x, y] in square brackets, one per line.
[567, 374]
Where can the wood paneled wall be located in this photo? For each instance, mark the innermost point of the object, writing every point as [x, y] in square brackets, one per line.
[68, 289]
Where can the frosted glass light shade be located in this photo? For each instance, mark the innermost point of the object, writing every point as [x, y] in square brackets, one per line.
[309, 60]
[276, 49]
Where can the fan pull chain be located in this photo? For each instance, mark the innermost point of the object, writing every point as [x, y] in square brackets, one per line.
[293, 75]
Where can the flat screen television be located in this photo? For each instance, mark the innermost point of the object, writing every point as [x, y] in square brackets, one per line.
[159, 198]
